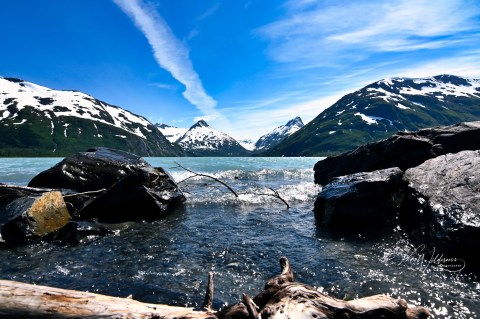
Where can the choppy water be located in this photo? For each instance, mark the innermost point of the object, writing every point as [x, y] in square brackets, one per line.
[240, 239]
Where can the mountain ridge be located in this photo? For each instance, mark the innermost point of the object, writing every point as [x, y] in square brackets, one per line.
[382, 109]
[277, 135]
[40, 121]
[172, 133]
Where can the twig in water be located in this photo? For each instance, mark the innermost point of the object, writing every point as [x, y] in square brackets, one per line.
[205, 175]
[276, 195]
[195, 174]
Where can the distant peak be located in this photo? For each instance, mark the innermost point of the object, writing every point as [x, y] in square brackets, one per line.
[163, 125]
[295, 121]
[200, 123]
[15, 80]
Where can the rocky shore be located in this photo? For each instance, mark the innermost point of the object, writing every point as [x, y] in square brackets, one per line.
[426, 182]
[79, 195]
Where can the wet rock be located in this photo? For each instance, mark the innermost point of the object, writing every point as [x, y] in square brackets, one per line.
[130, 200]
[131, 188]
[95, 169]
[403, 150]
[34, 217]
[442, 203]
[359, 200]
[9, 193]
[76, 232]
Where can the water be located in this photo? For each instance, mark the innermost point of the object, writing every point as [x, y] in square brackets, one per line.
[240, 240]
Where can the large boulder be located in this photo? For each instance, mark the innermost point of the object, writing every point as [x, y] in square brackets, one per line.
[9, 193]
[442, 203]
[359, 200]
[120, 186]
[97, 168]
[403, 150]
[133, 199]
[34, 217]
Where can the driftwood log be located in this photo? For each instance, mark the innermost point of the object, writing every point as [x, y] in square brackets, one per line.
[282, 298]
[19, 300]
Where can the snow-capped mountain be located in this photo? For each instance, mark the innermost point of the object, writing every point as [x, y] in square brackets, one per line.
[273, 138]
[36, 120]
[384, 108]
[203, 140]
[172, 133]
[248, 144]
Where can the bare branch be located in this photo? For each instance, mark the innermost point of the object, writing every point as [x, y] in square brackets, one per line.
[85, 193]
[208, 176]
[275, 195]
[207, 303]
[195, 174]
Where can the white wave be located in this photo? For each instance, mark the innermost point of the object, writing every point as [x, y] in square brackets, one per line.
[253, 194]
[237, 174]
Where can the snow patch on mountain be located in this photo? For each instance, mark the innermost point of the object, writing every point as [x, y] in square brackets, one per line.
[273, 138]
[17, 94]
[248, 144]
[203, 137]
[398, 89]
[205, 140]
[172, 133]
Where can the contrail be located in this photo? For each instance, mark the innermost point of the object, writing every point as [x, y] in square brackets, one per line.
[170, 53]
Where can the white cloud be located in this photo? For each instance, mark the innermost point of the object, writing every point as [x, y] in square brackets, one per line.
[332, 32]
[170, 53]
[254, 121]
[261, 116]
[467, 66]
[164, 86]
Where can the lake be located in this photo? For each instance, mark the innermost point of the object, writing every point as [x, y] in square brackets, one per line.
[240, 240]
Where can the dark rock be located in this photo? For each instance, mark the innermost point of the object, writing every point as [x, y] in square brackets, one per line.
[403, 150]
[34, 217]
[442, 203]
[134, 190]
[131, 200]
[9, 193]
[92, 170]
[76, 232]
[359, 200]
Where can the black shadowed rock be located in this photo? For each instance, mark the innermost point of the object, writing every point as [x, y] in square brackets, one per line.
[95, 169]
[403, 150]
[33, 217]
[75, 232]
[130, 199]
[442, 204]
[361, 199]
[133, 189]
[8, 193]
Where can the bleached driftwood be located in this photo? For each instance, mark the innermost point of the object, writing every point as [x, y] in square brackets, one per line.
[20, 300]
[282, 298]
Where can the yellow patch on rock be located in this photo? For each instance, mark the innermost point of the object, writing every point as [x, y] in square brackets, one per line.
[49, 213]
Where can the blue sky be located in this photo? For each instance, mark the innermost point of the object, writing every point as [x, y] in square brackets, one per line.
[244, 66]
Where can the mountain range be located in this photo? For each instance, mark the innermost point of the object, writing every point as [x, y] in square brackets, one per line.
[383, 108]
[38, 121]
[203, 140]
